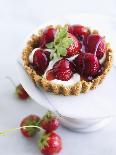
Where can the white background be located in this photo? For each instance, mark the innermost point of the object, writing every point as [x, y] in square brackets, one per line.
[17, 20]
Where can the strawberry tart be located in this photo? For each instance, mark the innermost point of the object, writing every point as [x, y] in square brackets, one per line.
[67, 60]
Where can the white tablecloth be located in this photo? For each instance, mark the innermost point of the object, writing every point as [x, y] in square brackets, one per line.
[17, 20]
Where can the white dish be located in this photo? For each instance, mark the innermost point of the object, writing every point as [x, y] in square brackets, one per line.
[97, 104]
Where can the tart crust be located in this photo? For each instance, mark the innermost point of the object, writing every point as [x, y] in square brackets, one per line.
[80, 87]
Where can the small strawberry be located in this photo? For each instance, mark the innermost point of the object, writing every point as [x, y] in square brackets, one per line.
[74, 48]
[62, 70]
[50, 143]
[30, 120]
[50, 75]
[79, 31]
[41, 61]
[49, 122]
[87, 64]
[21, 93]
[48, 36]
[95, 44]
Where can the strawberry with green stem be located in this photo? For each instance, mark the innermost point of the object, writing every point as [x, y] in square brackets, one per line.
[49, 122]
[21, 93]
[29, 126]
[64, 44]
[27, 121]
[50, 143]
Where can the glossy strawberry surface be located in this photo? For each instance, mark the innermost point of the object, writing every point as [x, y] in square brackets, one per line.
[87, 64]
[21, 93]
[29, 120]
[74, 48]
[50, 144]
[41, 61]
[62, 70]
[48, 36]
[49, 122]
[78, 30]
[95, 44]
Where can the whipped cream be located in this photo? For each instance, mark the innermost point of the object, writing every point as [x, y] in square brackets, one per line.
[73, 57]
[50, 66]
[75, 78]
[101, 61]
[31, 55]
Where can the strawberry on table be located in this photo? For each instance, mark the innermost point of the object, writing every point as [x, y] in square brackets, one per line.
[49, 122]
[50, 143]
[21, 93]
[27, 121]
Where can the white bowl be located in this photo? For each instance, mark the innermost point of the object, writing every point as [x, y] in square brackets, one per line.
[89, 111]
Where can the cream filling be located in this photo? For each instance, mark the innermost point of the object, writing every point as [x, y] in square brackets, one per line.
[75, 78]
[31, 55]
[101, 61]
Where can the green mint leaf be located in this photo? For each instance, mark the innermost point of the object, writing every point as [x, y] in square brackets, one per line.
[66, 42]
[62, 32]
[52, 53]
[60, 44]
[55, 56]
[61, 50]
[51, 56]
[50, 45]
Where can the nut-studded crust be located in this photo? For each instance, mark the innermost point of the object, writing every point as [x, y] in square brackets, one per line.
[80, 87]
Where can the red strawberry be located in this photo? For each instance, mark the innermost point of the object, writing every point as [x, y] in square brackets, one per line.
[50, 143]
[62, 70]
[74, 48]
[49, 122]
[30, 120]
[87, 64]
[48, 36]
[50, 75]
[21, 93]
[78, 30]
[96, 45]
[41, 60]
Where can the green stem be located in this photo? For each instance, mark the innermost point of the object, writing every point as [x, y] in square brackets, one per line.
[23, 127]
